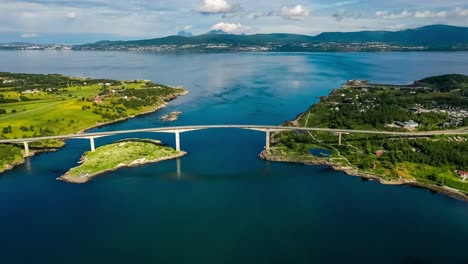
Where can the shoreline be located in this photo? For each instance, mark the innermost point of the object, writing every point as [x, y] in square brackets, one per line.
[33, 152]
[150, 111]
[453, 193]
[87, 177]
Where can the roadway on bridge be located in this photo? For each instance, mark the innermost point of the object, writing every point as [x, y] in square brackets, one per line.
[462, 131]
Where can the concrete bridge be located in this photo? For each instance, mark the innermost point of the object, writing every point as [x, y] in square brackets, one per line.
[266, 129]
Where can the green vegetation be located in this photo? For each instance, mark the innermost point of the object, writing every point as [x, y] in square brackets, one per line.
[436, 103]
[124, 153]
[35, 105]
[10, 155]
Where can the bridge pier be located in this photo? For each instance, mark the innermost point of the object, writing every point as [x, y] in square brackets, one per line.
[339, 138]
[267, 139]
[91, 142]
[177, 135]
[177, 140]
[26, 149]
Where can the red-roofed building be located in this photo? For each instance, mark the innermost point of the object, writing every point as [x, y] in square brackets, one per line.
[463, 174]
[98, 99]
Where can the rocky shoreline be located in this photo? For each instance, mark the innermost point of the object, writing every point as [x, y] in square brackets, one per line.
[138, 162]
[266, 155]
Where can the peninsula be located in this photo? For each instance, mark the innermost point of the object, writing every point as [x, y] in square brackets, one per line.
[124, 153]
[435, 103]
[38, 105]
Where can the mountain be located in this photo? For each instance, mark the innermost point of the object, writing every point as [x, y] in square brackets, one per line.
[434, 37]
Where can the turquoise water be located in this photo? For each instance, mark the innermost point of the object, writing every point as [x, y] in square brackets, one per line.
[226, 206]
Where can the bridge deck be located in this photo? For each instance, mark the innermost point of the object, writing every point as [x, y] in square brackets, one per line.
[250, 127]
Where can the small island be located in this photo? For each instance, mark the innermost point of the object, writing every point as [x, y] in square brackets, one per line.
[435, 103]
[124, 153]
[172, 116]
[39, 105]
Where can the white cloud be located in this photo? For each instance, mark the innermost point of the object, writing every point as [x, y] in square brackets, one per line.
[218, 7]
[297, 12]
[396, 27]
[461, 12]
[381, 13]
[188, 27]
[72, 15]
[385, 14]
[231, 28]
[430, 14]
[29, 35]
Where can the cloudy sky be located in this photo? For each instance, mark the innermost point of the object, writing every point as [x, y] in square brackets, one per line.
[78, 21]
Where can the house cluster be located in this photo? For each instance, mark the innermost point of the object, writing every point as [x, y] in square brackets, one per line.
[456, 114]
[6, 81]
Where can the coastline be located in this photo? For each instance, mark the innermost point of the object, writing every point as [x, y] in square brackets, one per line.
[33, 152]
[265, 155]
[150, 111]
[87, 177]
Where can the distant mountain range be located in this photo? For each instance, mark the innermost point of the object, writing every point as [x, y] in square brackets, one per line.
[433, 37]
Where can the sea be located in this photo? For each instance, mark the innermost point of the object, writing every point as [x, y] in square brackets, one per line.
[221, 203]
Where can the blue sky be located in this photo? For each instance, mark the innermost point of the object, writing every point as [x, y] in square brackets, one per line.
[79, 21]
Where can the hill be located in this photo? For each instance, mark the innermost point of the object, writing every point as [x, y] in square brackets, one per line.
[434, 37]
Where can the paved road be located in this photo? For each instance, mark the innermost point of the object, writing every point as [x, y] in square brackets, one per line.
[462, 131]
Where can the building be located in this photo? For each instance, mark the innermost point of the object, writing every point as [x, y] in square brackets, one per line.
[462, 174]
[98, 99]
[407, 124]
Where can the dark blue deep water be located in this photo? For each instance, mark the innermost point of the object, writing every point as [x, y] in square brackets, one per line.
[226, 205]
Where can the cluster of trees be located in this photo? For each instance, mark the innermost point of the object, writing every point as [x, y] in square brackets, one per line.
[447, 83]
[4, 100]
[24, 81]
[9, 154]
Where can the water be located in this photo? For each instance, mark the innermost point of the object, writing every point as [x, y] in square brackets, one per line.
[320, 152]
[226, 206]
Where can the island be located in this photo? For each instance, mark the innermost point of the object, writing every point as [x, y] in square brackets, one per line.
[123, 153]
[36, 105]
[435, 103]
[172, 116]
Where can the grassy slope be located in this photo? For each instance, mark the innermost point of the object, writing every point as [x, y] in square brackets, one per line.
[120, 153]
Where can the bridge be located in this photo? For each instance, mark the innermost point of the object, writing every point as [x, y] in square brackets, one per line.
[266, 129]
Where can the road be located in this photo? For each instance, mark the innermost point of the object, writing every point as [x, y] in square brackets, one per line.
[462, 131]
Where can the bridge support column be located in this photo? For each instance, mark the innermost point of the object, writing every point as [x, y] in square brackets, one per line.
[26, 149]
[267, 139]
[91, 142]
[339, 138]
[177, 140]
